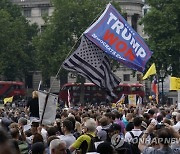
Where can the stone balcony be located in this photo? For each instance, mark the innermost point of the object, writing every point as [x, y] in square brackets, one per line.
[32, 3]
[131, 1]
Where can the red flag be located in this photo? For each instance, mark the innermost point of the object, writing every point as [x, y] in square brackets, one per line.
[154, 88]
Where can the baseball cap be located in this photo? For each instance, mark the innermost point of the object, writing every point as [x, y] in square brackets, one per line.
[114, 127]
[35, 123]
[151, 111]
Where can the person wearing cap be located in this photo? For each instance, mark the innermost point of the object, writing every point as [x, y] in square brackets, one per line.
[113, 129]
[34, 130]
[117, 140]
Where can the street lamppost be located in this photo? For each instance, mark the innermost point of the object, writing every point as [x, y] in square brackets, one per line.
[162, 76]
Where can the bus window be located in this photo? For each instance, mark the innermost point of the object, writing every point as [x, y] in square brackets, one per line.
[120, 89]
[88, 88]
[65, 88]
[76, 88]
[1, 86]
[136, 88]
[93, 88]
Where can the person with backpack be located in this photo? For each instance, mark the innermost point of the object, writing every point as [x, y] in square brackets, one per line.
[133, 136]
[117, 141]
[86, 142]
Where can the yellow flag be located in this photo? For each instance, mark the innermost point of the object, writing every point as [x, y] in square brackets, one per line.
[174, 83]
[8, 99]
[151, 71]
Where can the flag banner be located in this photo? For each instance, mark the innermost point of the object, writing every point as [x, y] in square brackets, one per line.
[121, 100]
[92, 63]
[174, 83]
[69, 99]
[50, 110]
[8, 100]
[116, 37]
[151, 71]
[139, 101]
[132, 100]
[154, 88]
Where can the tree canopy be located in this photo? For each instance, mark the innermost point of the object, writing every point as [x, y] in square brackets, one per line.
[15, 42]
[69, 20]
[162, 25]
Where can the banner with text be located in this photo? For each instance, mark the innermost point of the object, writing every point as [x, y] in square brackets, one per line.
[132, 100]
[174, 83]
[116, 37]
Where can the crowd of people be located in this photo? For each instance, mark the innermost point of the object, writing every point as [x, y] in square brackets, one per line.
[102, 129]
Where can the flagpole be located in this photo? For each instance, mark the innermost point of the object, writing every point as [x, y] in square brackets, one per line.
[45, 104]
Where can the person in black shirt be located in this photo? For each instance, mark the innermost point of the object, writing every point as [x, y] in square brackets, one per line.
[33, 106]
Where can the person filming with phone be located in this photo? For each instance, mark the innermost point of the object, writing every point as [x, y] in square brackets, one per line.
[165, 141]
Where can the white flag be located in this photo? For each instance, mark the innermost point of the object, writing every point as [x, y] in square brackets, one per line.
[139, 101]
[50, 109]
[69, 99]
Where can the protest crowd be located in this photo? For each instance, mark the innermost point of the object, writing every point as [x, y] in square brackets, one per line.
[147, 129]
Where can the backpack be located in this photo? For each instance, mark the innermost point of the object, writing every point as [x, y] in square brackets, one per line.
[84, 145]
[92, 147]
[134, 143]
[108, 139]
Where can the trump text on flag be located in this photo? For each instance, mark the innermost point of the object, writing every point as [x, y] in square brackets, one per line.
[116, 37]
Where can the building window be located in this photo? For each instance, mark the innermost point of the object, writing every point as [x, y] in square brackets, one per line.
[43, 27]
[44, 11]
[139, 77]
[145, 11]
[29, 81]
[134, 21]
[126, 77]
[27, 12]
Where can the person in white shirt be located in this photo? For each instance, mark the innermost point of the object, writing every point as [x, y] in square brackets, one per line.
[177, 125]
[68, 137]
[136, 131]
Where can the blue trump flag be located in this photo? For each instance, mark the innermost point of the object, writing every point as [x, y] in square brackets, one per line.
[115, 36]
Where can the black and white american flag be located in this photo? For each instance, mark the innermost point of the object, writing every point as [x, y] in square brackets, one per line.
[92, 63]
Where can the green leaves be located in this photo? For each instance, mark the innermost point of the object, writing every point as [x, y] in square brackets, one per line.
[162, 25]
[15, 37]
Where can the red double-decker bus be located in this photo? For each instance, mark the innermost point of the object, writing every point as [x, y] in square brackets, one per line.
[11, 88]
[93, 93]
